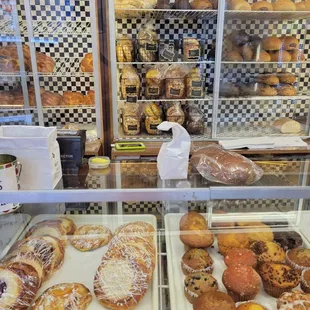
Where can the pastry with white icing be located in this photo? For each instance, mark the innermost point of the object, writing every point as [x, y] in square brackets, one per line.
[294, 301]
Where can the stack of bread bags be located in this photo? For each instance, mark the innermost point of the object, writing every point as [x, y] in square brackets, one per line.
[126, 270]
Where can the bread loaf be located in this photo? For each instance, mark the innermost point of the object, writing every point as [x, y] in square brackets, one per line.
[287, 125]
[72, 98]
[50, 99]
[218, 165]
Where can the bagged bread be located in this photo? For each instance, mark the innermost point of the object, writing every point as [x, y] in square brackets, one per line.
[175, 113]
[155, 81]
[131, 118]
[148, 43]
[218, 165]
[130, 83]
[194, 120]
[153, 117]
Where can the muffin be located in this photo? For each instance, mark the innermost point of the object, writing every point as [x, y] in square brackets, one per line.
[196, 260]
[278, 278]
[250, 305]
[191, 219]
[265, 234]
[240, 257]
[232, 241]
[288, 239]
[197, 284]
[305, 280]
[242, 282]
[267, 251]
[214, 301]
[294, 301]
[299, 259]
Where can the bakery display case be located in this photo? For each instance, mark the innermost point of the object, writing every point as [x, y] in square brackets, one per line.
[242, 66]
[50, 67]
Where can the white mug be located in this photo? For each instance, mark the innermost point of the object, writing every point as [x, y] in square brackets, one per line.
[10, 170]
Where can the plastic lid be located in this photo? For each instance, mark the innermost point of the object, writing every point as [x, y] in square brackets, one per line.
[99, 162]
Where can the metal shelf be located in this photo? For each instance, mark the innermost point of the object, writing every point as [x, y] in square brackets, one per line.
[61, 28]
[263, 62]
[267, 15]
[163, 62]
[208, 98]
[166, 14]
[252, 98]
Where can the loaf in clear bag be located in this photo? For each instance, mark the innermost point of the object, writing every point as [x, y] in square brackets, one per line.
[218, 165]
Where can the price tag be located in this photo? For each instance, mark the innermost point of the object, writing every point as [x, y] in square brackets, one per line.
[193, 54]
[153, 90]
[196, 84]
[132, 127]
[132, 99]
[175, 91]
[196, 93]
[154, 126]
[152, 47]
[168, 54]
[131, 89]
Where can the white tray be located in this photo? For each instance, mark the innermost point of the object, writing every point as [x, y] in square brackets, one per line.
[175, 251]
[82, 266]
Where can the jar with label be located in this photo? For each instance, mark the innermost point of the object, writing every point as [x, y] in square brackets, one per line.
[175, 113]
[148, 43]
[191, 49]
[130, 84]
[131, 119]
[194, 84]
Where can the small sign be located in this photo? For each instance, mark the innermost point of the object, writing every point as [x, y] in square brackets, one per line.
[132, 99]
[151, 47]
[153, 90]
[175, 91]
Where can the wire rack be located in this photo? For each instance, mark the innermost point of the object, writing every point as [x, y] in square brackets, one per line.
[166, 14]
[265, 15]
[61, 28]
[273, 98]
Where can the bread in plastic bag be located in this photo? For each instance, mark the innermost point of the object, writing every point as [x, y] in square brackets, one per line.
[153, 117]
[148, 43]
[175, 113]
[194, 120]
[218, 165]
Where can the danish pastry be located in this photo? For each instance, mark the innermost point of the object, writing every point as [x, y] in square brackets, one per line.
[64, 296]
[91, 237]
[72, 99]
[87, 63]
[262, 6]
[143, 229]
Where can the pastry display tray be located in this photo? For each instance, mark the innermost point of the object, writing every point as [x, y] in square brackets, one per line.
[175, 251]
[82, 266]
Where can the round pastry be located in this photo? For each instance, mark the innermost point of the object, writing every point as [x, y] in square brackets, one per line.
[201, 5]
[191, 219]
[120, 283]
[196, 260]
[64, 296]
[290, 43]
[280, 56]
[142, 229]
[198, 283]
[305, 280]
[266, 233]
[214, 301]
[240, 257]
[246, 52]
[87, 63]
[286, 90]
[284, 5]
[272, 44]
[250, 305]
[91, 237]
[267, 251]
[197, 236]
[242, 282]
[299, 259]
[265, 90]
[231, 241]
[50, 99]
[262, 6]
[278, 278]
[68, 225]
[72, 98]
[45, 64]
[238, 5]
[268, 79]
[294, 301]
[262, 56]
[286, 78]
[297, 55]
[300, 6]
[234, 56]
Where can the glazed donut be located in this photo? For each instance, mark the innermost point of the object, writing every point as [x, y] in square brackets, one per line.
[268, 79]
[286, 90]
[272, 44]
[87, 63]
[286, 78]
[284, 5]
[64, 296]
[262, 6]
[238, 5]
[290, 43]
[91, 237]
[280, 56]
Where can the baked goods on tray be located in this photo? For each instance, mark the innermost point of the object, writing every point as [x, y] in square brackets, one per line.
[90, 98]
[296, 300]
[214, 300]
[284, 5]
[262, 6]
[71, 98]
[45, 64]
[87, 63]
[238, 5]
[240, 257]
[64, 296]
[90, 237]
[130, 84]
[50, 99]
[268, 252]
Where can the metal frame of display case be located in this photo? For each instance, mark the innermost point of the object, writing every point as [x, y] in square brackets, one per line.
[222, 14]
[49, 28]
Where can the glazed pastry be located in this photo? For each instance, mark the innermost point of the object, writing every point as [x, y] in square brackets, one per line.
[278, 278]
[286, 78]
[196, 260]
[284, 5]
[268, 252]
[297, 55]
[214, 300]
[130, 83]
[234, 56]
[299, 259]
[250, 305]
[90, 237]
[50, 99]
[201, 5]
[294, 301]
[45, 64]
[231, 241]
[72, 99]
[305, 281]
[124, 50]
[90, 98]
[280, 56]
[262, 56]
[262, 6]
[87, 63]
[272, 44]
[290, 43]
[240, 257]
[120, 283]
[139, 228]
[286, 90]
[64, 296]
[268, 79]
[198, 283]
[242, 282]
[191, 48]
[238, 5]
[288, 239]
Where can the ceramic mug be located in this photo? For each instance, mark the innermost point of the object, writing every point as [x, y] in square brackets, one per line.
[10, 170]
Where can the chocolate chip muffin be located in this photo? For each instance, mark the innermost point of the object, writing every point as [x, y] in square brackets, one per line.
[197, 284]
[267, 251]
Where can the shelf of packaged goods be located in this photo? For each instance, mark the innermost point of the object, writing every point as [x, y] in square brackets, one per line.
[208, 98]
[266, 98]
[120, 64]
[69, 107]
[165, 14]
[224, 62]
[256, 129]
[62, 28]
[267, 15]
